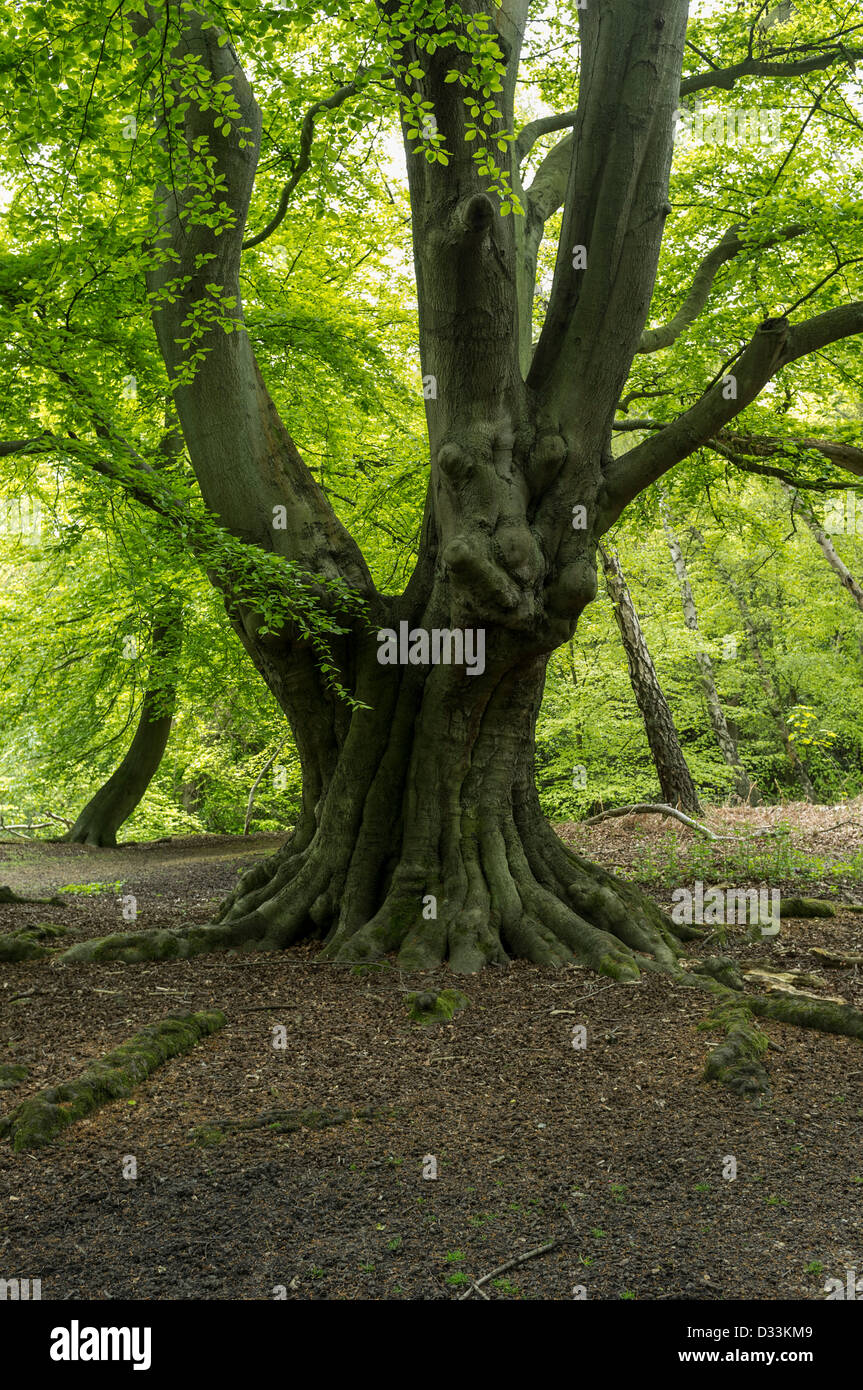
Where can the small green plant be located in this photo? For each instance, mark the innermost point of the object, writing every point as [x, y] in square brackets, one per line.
[702, 1187]
[456, 1279]
[627, 1294]
[482, 1218]
[598, 1234]
[87, 888]
[395, 1243]
[454, 1257]
[816, 1267]
[506, 1286]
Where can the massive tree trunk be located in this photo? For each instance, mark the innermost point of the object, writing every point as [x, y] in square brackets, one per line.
[742, 784]
[421, 834]
[421, 831]
[115, 801]
[675, 779]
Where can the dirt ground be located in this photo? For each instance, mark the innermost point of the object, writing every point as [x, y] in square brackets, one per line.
[616, 1152]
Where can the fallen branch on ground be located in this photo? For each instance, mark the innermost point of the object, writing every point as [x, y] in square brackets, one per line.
[519, 1259]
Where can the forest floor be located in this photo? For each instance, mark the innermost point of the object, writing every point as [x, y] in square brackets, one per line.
[616, 1152]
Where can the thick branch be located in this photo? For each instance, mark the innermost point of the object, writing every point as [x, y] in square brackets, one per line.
[774, 345]
[614, 208]
[756, 67]
[653, 339]
[247, 465]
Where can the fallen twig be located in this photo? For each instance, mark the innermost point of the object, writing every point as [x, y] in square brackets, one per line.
[662, 809]
[519, 1259]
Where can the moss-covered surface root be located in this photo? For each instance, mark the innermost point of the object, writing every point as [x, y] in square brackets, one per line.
[736, 1062]
[37, 1121]
[281, 1122]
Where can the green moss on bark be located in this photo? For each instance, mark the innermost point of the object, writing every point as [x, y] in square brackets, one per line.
[821, 1014]
[39, 1120]
[11, 1075]
[26, 943]
[805, 907]
[21, 945]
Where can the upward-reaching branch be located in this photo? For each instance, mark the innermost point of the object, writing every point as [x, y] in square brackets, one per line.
[246, 463]
[653, 339]
[615, 207]
[304, 158]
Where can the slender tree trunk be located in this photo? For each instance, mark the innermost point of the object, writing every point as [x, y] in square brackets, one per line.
[742, 785]
[768, 684]
[114, 802]
[675, 779]
[828, 549]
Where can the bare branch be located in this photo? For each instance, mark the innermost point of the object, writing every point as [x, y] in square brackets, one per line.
[304, 159]
[641, 808]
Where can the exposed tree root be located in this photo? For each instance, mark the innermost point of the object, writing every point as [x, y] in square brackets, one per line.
[429, 1008]
[821, 1014]
[28, 943]
[8, 895]
[37, 1121]
[281, 1122]
[495, 893]
[806, 907]
[736, 1062]
[11, 1075]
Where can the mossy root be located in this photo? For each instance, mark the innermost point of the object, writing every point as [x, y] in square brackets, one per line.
[37, 1121]
[736, 1062]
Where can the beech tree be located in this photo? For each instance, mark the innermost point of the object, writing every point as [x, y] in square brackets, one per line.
[421, 831]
